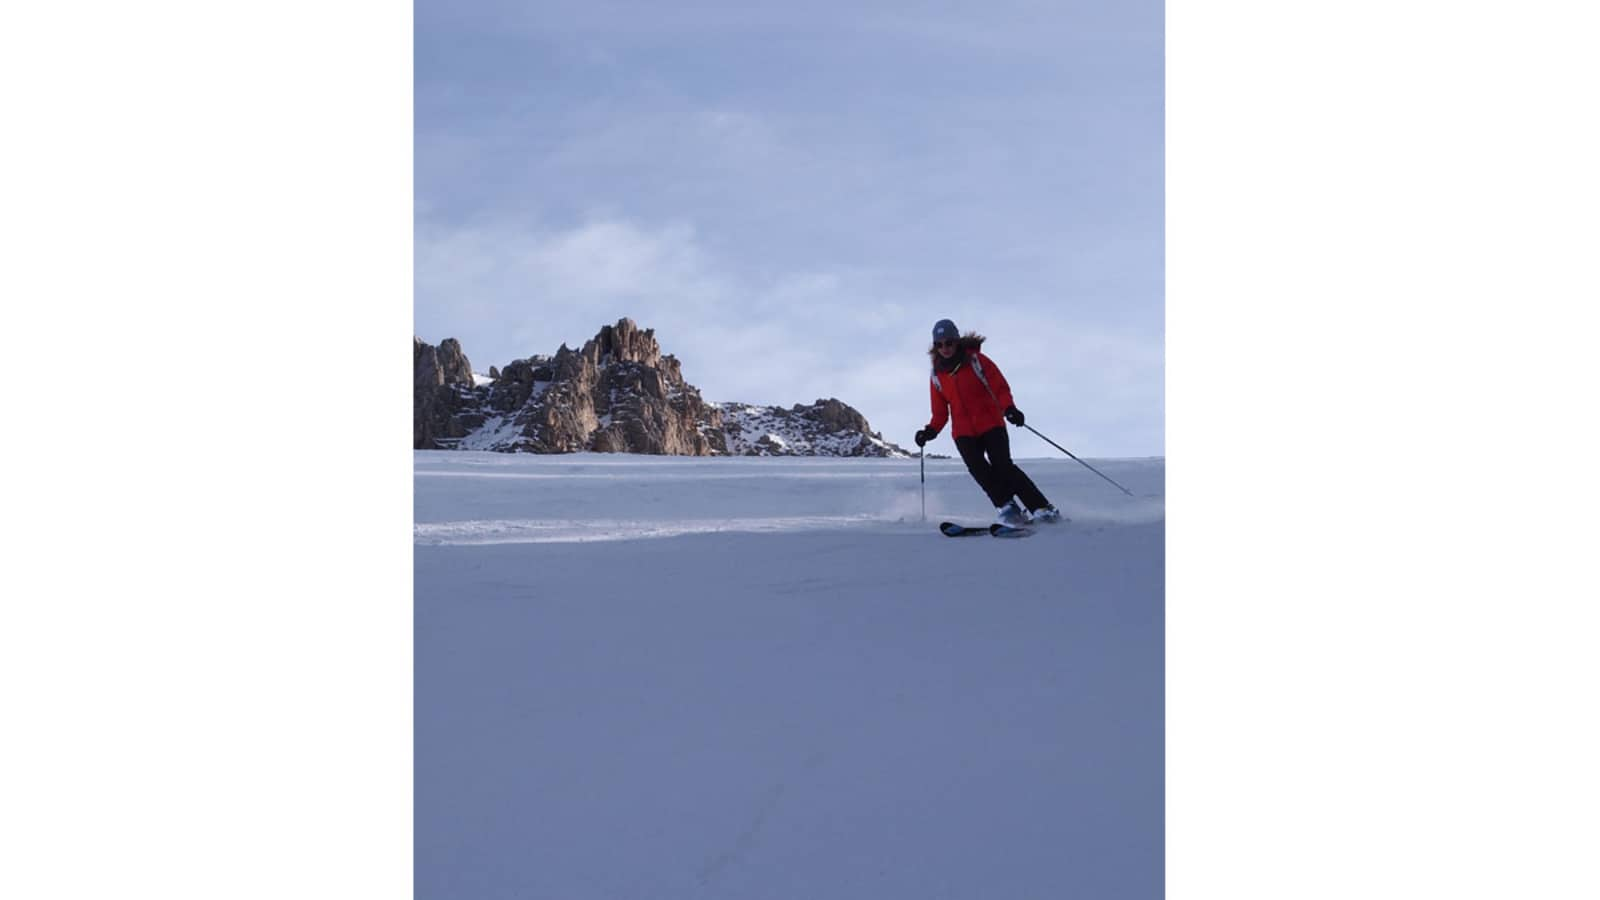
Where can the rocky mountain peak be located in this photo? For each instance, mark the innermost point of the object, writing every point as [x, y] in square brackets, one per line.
[619, 394]
[828, 427]
[623, 342]
[441, 365]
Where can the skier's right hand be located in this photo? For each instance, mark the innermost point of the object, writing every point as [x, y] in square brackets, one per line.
[925, 435]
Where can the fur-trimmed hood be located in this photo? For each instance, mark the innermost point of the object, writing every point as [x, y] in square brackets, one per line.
[968, 344]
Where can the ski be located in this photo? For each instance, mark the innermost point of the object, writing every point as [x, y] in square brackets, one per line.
[951, 529]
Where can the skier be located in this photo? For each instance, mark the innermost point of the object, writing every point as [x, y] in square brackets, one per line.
[967, 387]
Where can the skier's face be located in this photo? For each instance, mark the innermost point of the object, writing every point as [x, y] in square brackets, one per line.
[946, 348]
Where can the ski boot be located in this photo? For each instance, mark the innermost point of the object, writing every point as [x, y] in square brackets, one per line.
[1011, 515]
[1047, 514]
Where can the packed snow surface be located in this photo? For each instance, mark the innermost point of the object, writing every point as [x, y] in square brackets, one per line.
[667, 677]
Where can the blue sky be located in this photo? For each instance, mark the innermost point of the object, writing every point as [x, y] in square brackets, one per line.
[791, 196]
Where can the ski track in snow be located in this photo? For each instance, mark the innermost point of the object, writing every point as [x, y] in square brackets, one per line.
[566, 531]
[466, 498]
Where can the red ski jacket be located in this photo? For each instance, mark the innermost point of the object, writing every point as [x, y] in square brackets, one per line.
[972, 398]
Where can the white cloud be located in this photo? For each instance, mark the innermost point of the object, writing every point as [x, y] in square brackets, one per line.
[508, 291]
[792, 216]
[519, 291]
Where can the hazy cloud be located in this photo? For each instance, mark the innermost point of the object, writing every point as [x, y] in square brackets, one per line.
[791, 196]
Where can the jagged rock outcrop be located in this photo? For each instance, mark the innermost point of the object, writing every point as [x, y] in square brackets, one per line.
[619, 394]
[825, 428]
[442, 385]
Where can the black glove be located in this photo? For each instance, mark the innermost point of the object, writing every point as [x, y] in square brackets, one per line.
[925, 435]
[1014, 416]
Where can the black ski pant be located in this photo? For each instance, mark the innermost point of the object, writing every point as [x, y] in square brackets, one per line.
[988, 458]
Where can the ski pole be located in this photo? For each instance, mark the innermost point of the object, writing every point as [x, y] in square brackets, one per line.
[1085, 465]
[922, 465]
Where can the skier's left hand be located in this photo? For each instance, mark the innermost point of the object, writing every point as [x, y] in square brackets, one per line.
[1014, 416]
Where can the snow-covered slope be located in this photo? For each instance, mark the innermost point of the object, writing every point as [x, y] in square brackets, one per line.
[674, 677]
